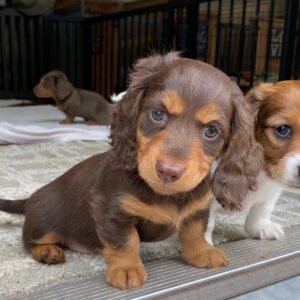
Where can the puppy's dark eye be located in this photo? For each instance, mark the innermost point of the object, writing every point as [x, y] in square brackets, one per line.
[283, 131]
[158, 115]
[211, 132]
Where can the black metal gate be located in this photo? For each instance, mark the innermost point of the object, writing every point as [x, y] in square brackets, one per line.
[249, 40]
[32, 46]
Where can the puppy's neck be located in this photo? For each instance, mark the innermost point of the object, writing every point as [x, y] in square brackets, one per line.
[62, 100]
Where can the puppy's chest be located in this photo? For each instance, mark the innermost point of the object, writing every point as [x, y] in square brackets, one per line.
[167, 215]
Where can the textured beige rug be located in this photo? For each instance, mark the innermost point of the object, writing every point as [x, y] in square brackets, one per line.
[26, 168]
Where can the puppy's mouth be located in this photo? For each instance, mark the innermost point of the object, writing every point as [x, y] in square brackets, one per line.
[168, 178]
[168, 174]
[41, 93]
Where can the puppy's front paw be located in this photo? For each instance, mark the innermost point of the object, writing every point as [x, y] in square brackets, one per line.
[266, 231]
[126, 277]
[66, 121]
[210, 258]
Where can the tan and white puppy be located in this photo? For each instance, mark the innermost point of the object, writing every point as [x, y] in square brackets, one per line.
[278, 131]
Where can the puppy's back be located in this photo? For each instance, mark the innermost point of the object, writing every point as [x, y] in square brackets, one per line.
[94, 106]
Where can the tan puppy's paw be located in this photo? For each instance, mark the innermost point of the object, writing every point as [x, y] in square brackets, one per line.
[126, 277]
[210, 258]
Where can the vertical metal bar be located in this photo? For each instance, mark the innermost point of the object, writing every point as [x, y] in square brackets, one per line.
[79, 54]
[132, 37]
[229, 38]
[93, 58]
[178, 29]
[207, 28]
[52, 49]
[31, 30]
[102, 56]
[85, 57]
[23, 54]
[296, 69]
[63, 48]
[290, 24]
[170, 28]
[14, 74]
[254, 43]
[82, 9]
[119, 63]
[139, 41]
[217, 58]
[57, 46]
[270, 25]
[193, 20]
[146, 35]
[70, 50]
[41, 46]
[241, 43]
[1, 65]
[95, 52]
[112, 59]
[107, 55]
[125, 54]
[5, 52]
[154, 29]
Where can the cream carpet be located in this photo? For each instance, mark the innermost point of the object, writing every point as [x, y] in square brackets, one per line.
[26, 168]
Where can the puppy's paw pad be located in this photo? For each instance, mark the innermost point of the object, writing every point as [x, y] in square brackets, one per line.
[126, 278]
[209, 258]
[49, 254]
[267, 231]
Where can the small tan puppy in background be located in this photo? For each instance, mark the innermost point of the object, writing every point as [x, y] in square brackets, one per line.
[92, 107]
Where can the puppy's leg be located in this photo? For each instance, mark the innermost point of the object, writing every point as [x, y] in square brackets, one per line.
[125, 268]
[92, 122]
[211, 221]
[67, 120]
[194, 248]
[46, 250]
[258, 221]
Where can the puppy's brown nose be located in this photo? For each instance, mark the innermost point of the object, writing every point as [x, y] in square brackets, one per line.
[168, 172]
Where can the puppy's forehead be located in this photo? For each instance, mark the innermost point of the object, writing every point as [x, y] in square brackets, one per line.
[284, 101]
[194, 83]
[198, 80]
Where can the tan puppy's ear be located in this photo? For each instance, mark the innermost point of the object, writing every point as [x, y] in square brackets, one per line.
[257, 94]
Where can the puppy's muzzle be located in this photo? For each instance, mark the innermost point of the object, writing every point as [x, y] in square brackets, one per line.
[168, 172]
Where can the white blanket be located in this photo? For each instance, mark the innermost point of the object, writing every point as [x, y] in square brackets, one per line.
[35, 124]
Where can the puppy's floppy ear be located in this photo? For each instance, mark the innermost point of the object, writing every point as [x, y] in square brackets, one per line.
[242, 158]
[124, 119]
[258, 94]
[63, 86]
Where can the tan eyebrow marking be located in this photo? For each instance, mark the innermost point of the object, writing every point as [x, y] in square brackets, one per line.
[173, 103]
[208, 113]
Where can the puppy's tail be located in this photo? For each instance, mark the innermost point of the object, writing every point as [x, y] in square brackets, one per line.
[13, 206]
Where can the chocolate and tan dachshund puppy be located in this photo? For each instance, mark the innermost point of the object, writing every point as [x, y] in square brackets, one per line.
[177, 117]
[71, 101]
